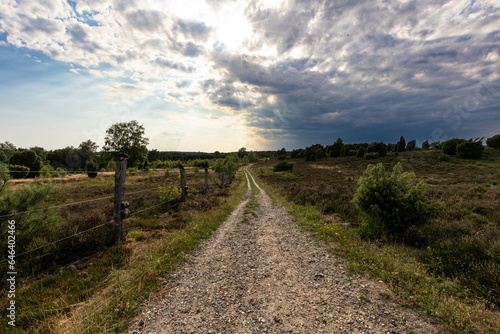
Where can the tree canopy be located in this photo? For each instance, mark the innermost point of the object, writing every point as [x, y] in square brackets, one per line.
[127, 138]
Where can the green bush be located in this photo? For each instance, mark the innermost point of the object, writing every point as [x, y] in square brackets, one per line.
[380, 148]
[19, 172]
[494, 141]
[444, 157]
[132, 171]
[391, 202]
[283, 166]
[29, 159]
[371, 155]
[92, 168]
[361, 152]
[450, 146]
[471, 149]
[46, 171]
[169, 194]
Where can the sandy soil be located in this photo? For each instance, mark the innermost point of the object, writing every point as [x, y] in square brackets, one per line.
[267, 275]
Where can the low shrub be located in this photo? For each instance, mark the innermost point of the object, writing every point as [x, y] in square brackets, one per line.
[450, 146]
[371, 155]
[471, 149]
[283, 166]
[18, 172]
[391, 202]
[92, 168]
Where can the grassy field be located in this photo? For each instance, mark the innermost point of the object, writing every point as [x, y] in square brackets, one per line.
[449, 268]
[85, 284]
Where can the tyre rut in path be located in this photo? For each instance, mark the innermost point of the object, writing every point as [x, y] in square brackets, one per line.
[263, 274]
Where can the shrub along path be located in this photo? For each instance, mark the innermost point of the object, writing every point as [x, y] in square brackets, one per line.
[260, 273]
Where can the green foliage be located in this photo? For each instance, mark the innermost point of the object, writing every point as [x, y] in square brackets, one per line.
[297, 154]
[127, 138]
[283, 166]
[380, 148]
[412, 144]
[426, 145]
[370, 156]
[86, 152]
[201, 163]
[391, 202]
[444, 157]
[336, 148]
[401, 145]
[111, 166]
[46, 171]
[361, 152]
[450, 146]
[3, 157]
[92, 168]
[471, 149]
[494, 141]
[132, 171]
[18, 205]
[19, 172]
[29, 159]
[169, 194]
[226, 168]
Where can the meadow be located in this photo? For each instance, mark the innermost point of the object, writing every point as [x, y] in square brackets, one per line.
[448, 268]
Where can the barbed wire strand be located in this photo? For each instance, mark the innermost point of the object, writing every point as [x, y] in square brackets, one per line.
[74, 203]
[54, 242]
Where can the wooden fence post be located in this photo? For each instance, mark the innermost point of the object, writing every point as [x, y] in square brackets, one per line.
[183, 183]
[120, 173]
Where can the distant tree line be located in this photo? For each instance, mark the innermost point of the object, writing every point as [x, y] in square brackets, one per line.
[462, 148]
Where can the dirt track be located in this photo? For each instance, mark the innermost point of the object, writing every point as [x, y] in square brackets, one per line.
[266, 275]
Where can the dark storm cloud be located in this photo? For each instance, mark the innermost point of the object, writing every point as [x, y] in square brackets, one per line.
[358, 78]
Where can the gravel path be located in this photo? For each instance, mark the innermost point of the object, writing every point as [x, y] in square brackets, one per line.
[263, 274]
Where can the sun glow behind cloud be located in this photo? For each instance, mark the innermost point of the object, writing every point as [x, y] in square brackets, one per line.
[262, 72]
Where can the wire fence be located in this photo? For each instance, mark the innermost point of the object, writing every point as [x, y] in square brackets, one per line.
[214, 181]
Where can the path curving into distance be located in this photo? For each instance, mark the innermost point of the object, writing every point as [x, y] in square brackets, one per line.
[260, 273]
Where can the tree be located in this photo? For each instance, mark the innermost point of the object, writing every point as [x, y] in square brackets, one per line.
[127, 138]
[426, 145]
[28, 159]
[8, 149]
[336, 148]
[86, 152]
[380, 148]
[412, 144]
[154, 155]
[242, 152]
[494, 141]
[40, 151]
[400, 147]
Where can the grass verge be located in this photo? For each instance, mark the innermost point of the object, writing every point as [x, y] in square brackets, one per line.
[456, 307]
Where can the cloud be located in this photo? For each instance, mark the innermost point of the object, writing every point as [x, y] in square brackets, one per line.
[314, 68]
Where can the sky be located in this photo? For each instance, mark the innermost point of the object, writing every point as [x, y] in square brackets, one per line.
[223, 74]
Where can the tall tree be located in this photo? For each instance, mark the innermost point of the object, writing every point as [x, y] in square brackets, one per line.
[86, 152]
[127, 138]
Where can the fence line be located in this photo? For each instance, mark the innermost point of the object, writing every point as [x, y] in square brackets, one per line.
[73, 203]
[54, 242]
[92, 228]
